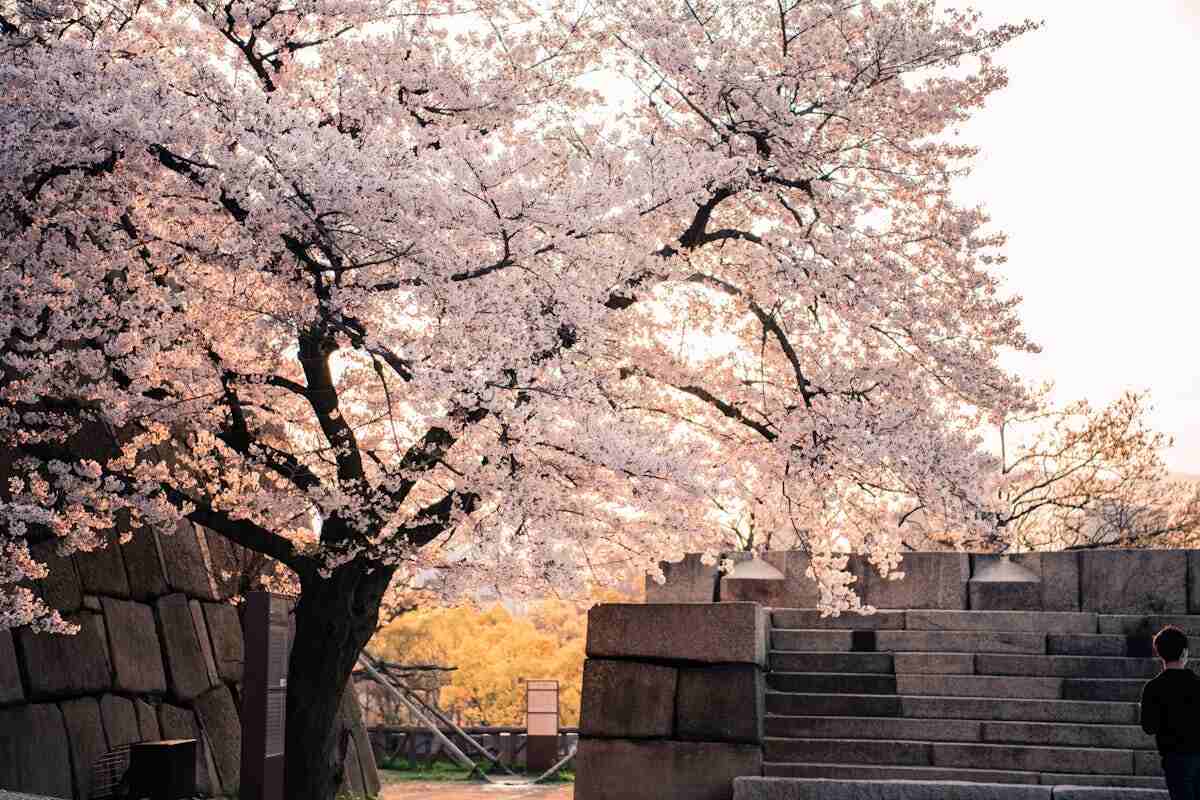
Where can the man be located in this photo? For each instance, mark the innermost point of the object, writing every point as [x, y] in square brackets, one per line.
[1171, 711]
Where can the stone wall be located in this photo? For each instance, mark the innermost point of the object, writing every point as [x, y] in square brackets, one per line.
[672, 701]
[1109, 581]
[158, 656]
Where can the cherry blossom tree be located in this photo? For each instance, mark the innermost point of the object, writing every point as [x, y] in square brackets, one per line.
[1079, 476]
[516, 294]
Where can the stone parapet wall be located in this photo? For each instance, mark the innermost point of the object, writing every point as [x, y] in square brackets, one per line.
[1106, 581]
[159, 655]
[672, 703]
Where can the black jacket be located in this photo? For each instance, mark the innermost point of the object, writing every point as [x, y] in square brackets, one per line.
[1171, 711]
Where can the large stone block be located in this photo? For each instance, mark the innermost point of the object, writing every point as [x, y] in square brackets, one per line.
[1060, 581]
[801, 591]
[712, 633]
[831, 789]
[219, 719]
[136, 655]
[1193, 581]
[767, 592]
[931, 580]
[65, 666]
[185, 554]
[351, 715]
[627, 700]
[85, 731]
[147, 719]
[686, 581]
[228, 561]
[102, 571]
[185, 660]
[1014, 596]
[225, 631]
[1002, 583]
[202, 637]
[1133, 581]
[34, 752]
[60, 589]
[120, 720]
[144, 566]
[720, 704]
[352, 777]
[616, 769]
[179, 723]
[11, 690]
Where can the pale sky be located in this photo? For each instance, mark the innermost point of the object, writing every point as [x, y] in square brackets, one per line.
[1091, 164]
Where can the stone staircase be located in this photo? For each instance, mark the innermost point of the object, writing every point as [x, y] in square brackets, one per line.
[1012, 697]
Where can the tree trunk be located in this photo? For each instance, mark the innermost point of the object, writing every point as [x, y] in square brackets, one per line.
[335, 618]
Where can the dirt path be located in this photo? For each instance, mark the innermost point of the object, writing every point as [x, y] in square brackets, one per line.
[405, 790]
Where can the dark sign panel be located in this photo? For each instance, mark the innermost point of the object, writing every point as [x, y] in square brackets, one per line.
[264, 695]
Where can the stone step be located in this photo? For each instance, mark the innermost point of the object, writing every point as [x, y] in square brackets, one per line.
[817, 641]
[843, 727]
[831, 682]
[960, 642]
[848, 705]
[811, 619]
[1033, 758]
[1021, 758]
[986, 708]
[904, 641]
[1005, 686]
[1067, 734]
[832, 662]
[1027, 621]
[950, 707]
[934, 663]
[779, 788]
[1146, 625]
[1067, 666]
[1103, 689]
[849, 751]
[1077, 644]
[1052, 734]
[995, 664]
[893, 773]
[1125, 781]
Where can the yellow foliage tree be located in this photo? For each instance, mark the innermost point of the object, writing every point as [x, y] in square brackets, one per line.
[495, 652]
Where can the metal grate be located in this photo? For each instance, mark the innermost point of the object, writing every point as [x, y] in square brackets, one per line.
[107, 773]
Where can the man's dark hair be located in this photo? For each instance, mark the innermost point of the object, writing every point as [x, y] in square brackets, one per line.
[1169, 643]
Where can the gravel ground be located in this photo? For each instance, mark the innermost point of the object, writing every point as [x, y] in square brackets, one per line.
[414, 790]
